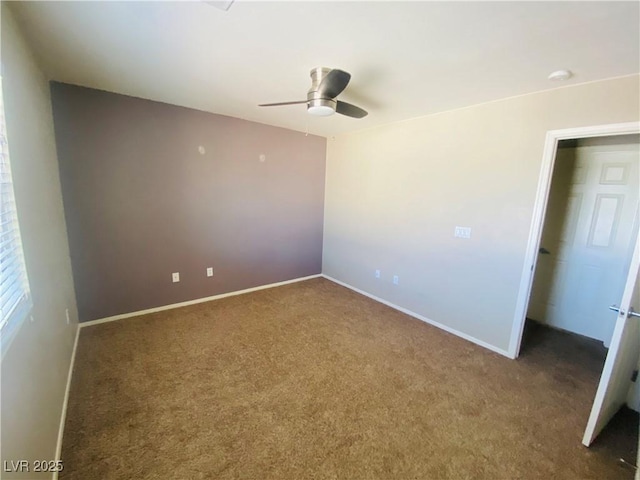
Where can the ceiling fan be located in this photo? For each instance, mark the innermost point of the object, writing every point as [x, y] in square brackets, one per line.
[326, 85]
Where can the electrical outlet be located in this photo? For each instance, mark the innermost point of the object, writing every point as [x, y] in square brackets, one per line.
[175, 277]
[396, 279]
[377, 273]
[210, 272]
[66, 312]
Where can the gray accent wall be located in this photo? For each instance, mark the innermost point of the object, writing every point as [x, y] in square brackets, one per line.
[150, 189]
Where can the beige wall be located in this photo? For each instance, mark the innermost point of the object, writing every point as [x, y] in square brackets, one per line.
[394, 195]
[35, 367]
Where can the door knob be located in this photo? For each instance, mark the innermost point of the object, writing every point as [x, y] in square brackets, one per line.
[631, 313]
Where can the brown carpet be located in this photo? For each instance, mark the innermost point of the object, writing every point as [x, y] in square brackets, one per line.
[313, 381]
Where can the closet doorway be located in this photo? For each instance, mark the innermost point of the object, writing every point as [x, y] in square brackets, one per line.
[589, 231]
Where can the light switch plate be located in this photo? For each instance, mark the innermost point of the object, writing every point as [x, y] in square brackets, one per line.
[175, 277]
[462, 232]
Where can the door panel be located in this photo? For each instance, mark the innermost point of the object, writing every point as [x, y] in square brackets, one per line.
[622, 358]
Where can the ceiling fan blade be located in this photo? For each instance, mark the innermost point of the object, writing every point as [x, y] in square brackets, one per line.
[334, 83]
[282, 103]
[350, 110]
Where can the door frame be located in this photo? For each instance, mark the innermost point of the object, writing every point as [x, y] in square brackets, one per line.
[539, 211]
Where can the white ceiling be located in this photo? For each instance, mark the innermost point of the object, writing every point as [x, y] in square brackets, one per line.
[407, 59]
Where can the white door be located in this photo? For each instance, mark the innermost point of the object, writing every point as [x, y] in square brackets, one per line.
[622, 358]
[587, 237]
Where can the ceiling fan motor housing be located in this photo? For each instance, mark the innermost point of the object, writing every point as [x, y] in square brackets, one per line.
[317, 104]
[317, 74]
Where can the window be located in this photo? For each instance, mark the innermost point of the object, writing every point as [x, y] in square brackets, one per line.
[15, 302]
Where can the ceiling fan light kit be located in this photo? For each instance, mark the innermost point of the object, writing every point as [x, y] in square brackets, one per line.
[326, 85]
[321, 107]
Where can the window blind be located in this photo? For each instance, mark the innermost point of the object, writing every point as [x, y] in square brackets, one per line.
[14, 287]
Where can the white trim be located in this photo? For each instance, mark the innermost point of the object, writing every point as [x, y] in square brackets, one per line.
[424, 319]
[63, 415]
[539, 210]
[194, 302]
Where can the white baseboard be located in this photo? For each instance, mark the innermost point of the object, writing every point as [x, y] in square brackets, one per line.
[453, 331]
[194, 302]
[65, 401]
